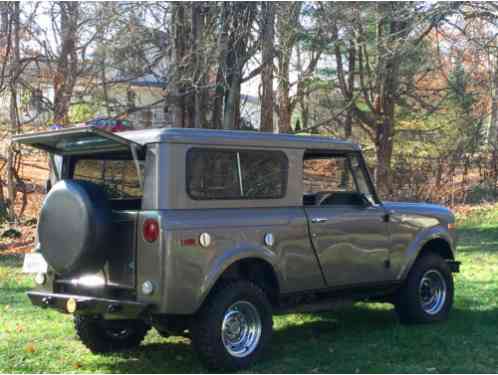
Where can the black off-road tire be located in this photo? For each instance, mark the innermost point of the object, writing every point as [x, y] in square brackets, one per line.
[207, 326]
[408, 301]
[100, 336]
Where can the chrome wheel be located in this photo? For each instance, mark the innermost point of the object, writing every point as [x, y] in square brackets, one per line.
[241, 329]
[432, 292]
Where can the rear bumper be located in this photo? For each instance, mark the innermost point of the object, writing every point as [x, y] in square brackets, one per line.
[83, 305]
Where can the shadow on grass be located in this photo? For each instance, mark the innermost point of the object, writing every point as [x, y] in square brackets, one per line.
[329, 327]
[298, 347]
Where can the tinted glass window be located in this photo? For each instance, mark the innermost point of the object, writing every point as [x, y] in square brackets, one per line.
[119, 178]
[227, 174]
[327, 175]
[335, 180]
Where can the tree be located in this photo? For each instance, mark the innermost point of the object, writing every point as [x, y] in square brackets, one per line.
[67, 62]
[15, 57]
[378, 40]
[267, 41]
[287, 33]
[238, 21]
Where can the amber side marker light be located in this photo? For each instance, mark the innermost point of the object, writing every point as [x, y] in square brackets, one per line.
[71, 305]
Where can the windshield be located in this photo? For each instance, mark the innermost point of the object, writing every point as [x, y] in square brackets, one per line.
[119, 178]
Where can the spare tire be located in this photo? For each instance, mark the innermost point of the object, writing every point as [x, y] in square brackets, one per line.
[74, 227]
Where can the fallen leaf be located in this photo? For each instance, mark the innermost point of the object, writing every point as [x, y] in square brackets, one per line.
[30, 348]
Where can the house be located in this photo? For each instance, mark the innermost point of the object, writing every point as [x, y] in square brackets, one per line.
[141, 99]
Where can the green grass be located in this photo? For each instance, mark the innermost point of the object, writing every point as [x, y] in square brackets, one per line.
[365, 338]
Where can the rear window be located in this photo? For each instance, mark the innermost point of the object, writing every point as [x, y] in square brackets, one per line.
[227, 174]
[118, 178]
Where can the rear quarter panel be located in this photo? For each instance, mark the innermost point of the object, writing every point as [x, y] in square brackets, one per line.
[190, 271]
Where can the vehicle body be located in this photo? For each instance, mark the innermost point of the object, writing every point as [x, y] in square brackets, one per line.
[294, 219]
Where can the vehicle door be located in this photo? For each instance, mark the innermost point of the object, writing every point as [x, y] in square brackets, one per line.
[348, 225]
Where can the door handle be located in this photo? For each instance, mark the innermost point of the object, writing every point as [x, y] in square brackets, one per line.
[318, 220]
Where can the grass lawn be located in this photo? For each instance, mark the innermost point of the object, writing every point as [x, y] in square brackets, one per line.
[365, 338]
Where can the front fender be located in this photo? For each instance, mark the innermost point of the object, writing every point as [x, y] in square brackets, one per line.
[226, 259]
[416, 246]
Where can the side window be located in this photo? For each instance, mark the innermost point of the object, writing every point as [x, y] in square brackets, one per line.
[212, 175]
[330, 180]
[329, 174]
[264, 174]
[227, 174]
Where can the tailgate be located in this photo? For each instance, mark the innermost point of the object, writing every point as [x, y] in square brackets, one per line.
[74, 141]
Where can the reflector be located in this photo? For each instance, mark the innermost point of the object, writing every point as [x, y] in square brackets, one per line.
[151, 230]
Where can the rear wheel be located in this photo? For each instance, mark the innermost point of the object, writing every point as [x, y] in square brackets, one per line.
[234, 327]
[427, 295]
[103, 336]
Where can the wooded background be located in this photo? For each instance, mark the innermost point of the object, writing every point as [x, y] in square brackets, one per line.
[415, 83]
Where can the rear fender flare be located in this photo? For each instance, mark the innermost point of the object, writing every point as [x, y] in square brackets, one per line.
[227, 259]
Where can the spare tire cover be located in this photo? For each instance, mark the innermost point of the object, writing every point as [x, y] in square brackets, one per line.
[74, 227]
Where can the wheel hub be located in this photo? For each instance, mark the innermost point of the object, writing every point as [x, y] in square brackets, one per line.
[241, 329]
[432, 292]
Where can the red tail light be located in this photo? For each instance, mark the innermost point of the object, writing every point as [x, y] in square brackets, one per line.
[151, 230]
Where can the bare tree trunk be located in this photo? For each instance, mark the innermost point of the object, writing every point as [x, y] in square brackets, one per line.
[239, 19]
[14, 117]
[493, 125]
[287, 20]
[231, 119]
[179, 32]
[199, 64]
[348, 123]
[218, 100]
[384, 151]
[67, 63]
[104, 85]
[301, 97]
[284, 107]
[268, 40]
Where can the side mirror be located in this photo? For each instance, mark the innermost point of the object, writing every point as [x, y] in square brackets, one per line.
[367, 200]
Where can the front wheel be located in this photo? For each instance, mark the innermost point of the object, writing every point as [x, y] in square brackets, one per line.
[234, 327]
[427, 295]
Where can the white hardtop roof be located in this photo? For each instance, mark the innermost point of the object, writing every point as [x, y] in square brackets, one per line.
[235, 138]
